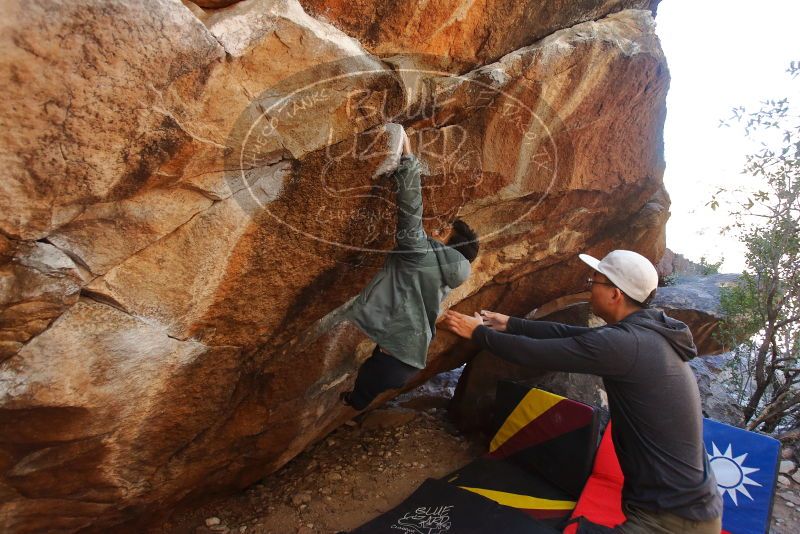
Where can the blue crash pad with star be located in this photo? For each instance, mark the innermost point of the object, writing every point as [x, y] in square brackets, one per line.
[746, 467]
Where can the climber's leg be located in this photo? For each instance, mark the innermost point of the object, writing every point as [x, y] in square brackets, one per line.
[381, 372]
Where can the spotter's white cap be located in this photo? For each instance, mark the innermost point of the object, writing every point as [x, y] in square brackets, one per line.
[632, 273]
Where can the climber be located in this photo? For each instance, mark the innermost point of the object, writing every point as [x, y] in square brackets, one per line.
[398, 309]
[653, 397]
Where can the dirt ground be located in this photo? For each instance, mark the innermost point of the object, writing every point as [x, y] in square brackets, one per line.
[359, 471]
[786, 510]
[367, 467]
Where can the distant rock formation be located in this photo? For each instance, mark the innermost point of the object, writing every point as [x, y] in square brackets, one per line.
[673, 264]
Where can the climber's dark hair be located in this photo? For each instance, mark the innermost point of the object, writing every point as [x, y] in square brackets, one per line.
[464, 239]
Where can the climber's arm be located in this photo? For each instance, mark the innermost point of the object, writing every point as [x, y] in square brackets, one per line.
[410, 233]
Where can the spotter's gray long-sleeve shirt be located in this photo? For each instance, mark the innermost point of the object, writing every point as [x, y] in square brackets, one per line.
[652, 396]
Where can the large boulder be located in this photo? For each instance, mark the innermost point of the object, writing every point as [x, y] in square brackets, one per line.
[671, 265]
[193, 197]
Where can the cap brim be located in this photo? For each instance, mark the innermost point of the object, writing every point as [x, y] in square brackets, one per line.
[594, 263]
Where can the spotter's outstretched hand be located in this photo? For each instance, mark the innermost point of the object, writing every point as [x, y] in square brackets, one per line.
[494, 320]
[460, 324]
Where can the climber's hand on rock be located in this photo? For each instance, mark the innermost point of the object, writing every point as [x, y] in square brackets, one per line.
[460, 324]
[494, 320]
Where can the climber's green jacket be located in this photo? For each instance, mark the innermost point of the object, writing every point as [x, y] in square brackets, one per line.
[399, 307]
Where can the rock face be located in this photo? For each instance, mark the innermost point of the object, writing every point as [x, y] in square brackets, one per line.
[460, 33]
[193, 194]
[718, 399]
[39, 282]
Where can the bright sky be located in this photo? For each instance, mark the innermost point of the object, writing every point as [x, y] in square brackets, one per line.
[721, 54]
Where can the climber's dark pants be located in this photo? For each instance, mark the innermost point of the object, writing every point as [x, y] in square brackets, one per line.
[381, 372]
